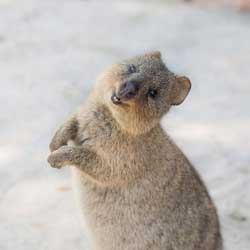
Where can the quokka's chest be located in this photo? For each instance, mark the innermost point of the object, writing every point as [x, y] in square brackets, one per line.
[116, 147]
[103, 137]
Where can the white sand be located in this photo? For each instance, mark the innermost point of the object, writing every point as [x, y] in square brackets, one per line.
[50, 54]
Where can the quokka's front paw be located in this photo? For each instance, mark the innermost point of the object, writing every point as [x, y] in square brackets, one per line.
[57, 141]
[60, 157]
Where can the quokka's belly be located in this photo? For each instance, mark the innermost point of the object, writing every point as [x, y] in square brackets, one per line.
[143, 218]
[114, 219]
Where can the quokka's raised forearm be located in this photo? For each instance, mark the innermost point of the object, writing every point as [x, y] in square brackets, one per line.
[70, 155]
[82, 158]
[66, 132]
[103, 172]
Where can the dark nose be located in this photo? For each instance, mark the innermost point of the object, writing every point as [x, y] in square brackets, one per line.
[128, 90]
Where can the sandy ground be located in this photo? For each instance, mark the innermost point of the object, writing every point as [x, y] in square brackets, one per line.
[50, 54]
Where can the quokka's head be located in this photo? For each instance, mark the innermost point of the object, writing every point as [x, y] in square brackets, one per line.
[139, 91]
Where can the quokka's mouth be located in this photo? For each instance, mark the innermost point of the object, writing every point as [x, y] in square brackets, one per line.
[126, 92]
[115, 99]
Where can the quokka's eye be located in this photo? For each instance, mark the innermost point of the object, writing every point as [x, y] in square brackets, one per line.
[152, 93]
[132, 69]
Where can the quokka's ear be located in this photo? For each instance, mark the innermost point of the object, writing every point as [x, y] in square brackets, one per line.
[154, 54]
[180, 90]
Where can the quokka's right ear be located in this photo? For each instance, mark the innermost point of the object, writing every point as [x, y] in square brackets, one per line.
[180, 90]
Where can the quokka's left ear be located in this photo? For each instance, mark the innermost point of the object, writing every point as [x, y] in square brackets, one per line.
[180, 90]
[154, 54]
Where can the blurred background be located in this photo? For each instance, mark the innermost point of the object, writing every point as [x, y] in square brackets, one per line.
[50, 54]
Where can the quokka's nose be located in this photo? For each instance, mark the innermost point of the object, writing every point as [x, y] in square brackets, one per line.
[128, 90]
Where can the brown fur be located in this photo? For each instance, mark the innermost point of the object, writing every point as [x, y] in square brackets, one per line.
[136, 189]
